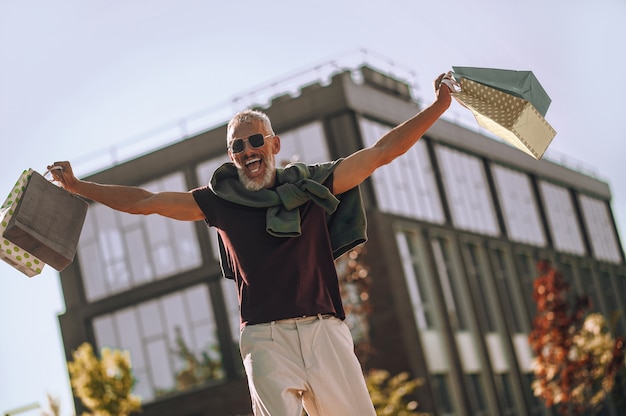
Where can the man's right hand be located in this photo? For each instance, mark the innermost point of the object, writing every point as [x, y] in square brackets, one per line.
[62, 174]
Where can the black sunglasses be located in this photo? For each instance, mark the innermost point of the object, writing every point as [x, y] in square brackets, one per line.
[256, 141]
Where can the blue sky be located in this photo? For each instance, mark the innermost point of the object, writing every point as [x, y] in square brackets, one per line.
[80, 77]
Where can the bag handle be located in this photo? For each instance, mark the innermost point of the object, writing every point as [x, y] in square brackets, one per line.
[453, 84]
[51, 169]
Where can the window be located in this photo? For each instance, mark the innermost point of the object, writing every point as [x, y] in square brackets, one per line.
[443, 396]
[475, 268]
[509, 290]
[519, 206]
[414, 276]
[305, 144]
[407, 186]
[611, 302]
[620, 284]
[467, 190]
[450, 284]
[569, 270]
[119, 251]
[562, 218]
[476, 394]
[505, 393]
[600, 229]
[536, 404]
[608, 295]
[172, 341]
[587, 277]
[486, 302]
[411, 245]
[527, 273]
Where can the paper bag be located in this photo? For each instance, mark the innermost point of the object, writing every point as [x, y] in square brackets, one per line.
[47, 222]
[521, 84]
[513, 119]
[17, 257]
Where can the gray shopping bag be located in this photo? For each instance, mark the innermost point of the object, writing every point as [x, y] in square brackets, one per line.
[46, 222]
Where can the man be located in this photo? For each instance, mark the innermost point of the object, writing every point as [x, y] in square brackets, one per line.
[296, 349]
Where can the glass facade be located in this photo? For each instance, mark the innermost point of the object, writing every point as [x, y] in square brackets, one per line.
[481, 299]
[469, 305]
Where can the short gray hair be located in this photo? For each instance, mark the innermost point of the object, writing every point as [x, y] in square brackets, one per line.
[247, 116]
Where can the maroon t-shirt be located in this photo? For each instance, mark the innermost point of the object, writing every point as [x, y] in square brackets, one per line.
[277, 277]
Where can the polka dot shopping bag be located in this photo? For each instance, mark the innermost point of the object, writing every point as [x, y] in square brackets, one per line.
[40, 224]
[509, 104]
[17, 257]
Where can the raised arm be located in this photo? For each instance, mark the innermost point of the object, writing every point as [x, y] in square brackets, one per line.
[130, 199]
[360, 165]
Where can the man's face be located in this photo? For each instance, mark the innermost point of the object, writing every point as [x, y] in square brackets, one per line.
[255, 165]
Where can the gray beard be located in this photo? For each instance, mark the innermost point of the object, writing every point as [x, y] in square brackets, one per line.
[264, 182]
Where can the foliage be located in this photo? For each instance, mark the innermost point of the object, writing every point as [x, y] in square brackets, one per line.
[576, 357]
[392, 395]
[103, 385]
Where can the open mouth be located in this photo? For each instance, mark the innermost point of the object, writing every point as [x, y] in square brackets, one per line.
[253, 165]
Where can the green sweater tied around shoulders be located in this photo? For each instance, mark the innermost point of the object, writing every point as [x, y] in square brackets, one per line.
[297, 184]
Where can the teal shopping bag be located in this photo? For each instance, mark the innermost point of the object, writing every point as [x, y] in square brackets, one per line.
[522, 84]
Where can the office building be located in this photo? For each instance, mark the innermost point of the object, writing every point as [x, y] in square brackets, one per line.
[455, 228]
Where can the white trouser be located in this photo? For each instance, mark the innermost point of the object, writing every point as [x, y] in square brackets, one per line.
[306, 362]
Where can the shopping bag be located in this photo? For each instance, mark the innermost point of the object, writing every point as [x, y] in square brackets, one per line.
[46, 222]
[17, 257]
[511, 118]
[521, 84]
